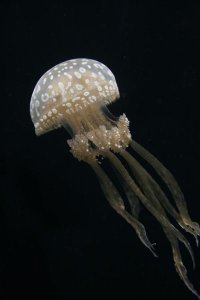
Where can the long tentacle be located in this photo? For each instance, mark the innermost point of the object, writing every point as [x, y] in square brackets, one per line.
[173, 236]
[142, 176]
[117, 203]
[180, 268]
[133, 201]
[170, 181]
[145, 201]
[147, 182]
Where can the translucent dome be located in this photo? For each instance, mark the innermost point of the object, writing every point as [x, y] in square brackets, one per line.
[68, 88]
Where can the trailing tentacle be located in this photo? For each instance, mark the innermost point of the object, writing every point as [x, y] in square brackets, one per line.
[117, 203]
[142, 178]
[146, 182]
[148, 204]
[172, 184]
[180, 268]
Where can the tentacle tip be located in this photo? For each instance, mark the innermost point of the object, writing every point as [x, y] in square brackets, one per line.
[152, 250]
[194, 226]
[196, 294]
[155, 255]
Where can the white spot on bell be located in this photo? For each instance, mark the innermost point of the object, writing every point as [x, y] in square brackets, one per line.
[77, 74]
[98, 66]
[54, 111]
[61, 86]
[68, 75]
[99, 88]
[37, 105]
[75, 99]
[38, 89]
[94, 75]
[109, 73]
[45, 97]
[101, 75]
[82, 70]
[79, 87]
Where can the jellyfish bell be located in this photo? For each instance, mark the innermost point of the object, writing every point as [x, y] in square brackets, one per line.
[69, 92]
[75, 94]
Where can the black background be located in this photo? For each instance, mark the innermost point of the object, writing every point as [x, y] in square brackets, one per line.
[59, 237]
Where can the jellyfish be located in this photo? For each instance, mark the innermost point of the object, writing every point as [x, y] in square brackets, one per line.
[75, 95]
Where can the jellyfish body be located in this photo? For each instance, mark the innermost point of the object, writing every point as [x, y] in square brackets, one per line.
[75, 94]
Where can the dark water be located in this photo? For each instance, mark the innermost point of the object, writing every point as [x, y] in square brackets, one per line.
[59, 237]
